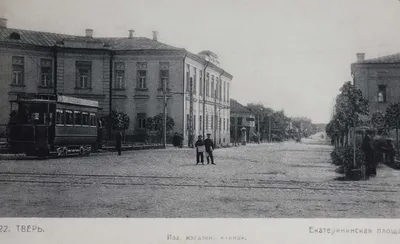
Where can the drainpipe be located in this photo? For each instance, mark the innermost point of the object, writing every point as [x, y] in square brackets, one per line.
[55, 70]
[110, 97]
[204, 98]
[183, 93]
[219, 109]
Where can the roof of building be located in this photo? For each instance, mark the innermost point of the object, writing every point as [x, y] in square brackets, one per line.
[239, 108]
[47, 39]
[389, 59]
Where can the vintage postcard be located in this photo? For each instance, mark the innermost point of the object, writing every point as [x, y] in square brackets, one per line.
[177, 121]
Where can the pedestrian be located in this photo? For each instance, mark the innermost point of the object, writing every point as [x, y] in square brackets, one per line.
[369, 156]
[118, 139]
[200, 148]
[180, 140]
[389, 151]
[175, 140]
[209, 146]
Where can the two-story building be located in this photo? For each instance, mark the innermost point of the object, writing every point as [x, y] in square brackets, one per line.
[242, 122]
[378, 79]
[123, 73]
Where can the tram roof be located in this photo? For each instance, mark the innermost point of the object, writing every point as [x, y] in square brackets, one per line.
[77, 101]
[61, 99]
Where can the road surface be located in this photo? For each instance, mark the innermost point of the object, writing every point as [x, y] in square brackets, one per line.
[282, 180]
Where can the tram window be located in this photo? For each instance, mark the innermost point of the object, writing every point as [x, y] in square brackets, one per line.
[93, 120]
[60, 117]
[85, 118]
[78, 118]
[69, 117]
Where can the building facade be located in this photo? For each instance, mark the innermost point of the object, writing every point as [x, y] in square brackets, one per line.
[242, 123]
[378, 79]
[125, 74]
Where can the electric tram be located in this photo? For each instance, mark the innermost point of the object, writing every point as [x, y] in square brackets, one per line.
[43, 125]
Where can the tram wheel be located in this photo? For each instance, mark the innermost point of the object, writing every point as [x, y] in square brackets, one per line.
[65, 151]
[81, 151]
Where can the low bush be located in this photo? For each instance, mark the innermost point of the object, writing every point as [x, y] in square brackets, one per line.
[344, 157]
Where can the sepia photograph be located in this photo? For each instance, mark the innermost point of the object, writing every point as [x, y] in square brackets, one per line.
[200, 109]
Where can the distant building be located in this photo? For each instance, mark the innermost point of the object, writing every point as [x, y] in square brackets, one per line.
[121, 73]
[378, 79]
[241, 117]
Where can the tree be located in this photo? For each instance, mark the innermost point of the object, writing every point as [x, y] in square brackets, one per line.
[350, 103]
[156, 124]
[378, 121]
[119, 120]
[393, 119]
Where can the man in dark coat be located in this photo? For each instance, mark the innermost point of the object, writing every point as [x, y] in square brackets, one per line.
[209, 145]
[389, 150]
[369, 155]
[200, 148]
[118, 139]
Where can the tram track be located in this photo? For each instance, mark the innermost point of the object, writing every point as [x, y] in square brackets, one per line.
[44, 179]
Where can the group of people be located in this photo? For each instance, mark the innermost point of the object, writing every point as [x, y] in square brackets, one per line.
[204, 146]
[375, 151]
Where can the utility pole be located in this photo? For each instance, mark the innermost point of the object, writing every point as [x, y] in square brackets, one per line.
[165, 114]
[269, 128]
[215, 114]
[204, 99]
[190, 142]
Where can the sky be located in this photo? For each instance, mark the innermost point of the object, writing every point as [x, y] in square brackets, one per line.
[285, 54]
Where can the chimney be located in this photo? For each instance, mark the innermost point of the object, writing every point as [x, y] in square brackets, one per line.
[89, 33]
[3, 23]
[155, 35]
[131, 33]
[360, 57]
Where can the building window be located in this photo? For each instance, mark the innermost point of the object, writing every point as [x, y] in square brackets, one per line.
[382, 93]
[219, 124]
[46, 69]
[227, 92]
[212, 122]
[224, 91]
[206, 122]
[212, 87]
[187, 122]
[194, 80]
[220, 90]
[78, 118]
[142, 74]
[83, 74]
[239, 120]
[141, 121]
[69, 117]
[208, 84]
[164, 75]
[216, 87]
[201, 88]
[194, 122]
[187, 77]
[17, 70]
[200, 122]
[224, 125]
[119, 76]
[164, 79]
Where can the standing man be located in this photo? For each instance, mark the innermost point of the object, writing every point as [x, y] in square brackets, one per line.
[200, 148]
[118, 139]
[369, 155]
[209, 146]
